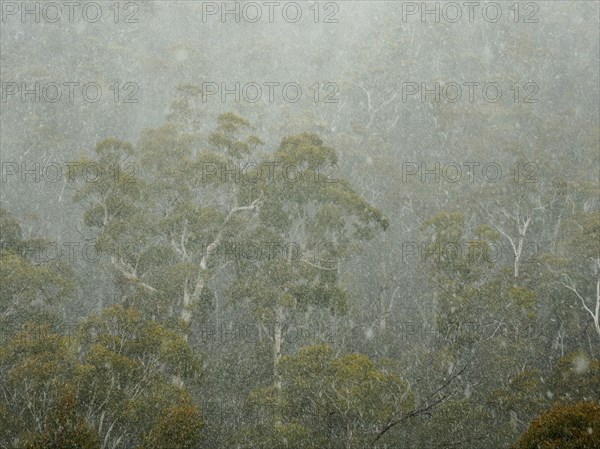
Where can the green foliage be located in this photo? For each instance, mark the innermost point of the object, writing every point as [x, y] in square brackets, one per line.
[226, 136]
[278, 436]
[31, 281]
[108, 182]
[10, 233]
[576, 377]
[167, 211]
[524, 394]
[121, 378]
[123, 335]
[339, 401]
[179, 428]
[585, 241]
[66, 429]
[36, 368]
[566, 426]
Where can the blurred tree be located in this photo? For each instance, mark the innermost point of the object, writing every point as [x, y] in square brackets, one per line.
[33, 278]
[566, 426]
[118, 381]
[65, 429]
[334, 402]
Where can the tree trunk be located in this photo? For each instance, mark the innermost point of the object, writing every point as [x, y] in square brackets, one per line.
[277, 342]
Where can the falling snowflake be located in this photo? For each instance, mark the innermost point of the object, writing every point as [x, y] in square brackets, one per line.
[580, 364]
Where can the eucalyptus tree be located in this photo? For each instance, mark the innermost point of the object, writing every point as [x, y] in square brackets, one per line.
[164, 227]
[34, 280]
[313, 220]
[161, 219]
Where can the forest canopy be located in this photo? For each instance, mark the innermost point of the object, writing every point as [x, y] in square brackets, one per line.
[342, 225]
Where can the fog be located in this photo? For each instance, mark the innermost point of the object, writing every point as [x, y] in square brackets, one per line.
[299, 225]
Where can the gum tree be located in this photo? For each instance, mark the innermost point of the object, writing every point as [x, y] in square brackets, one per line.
[162, 224]
[313, 220]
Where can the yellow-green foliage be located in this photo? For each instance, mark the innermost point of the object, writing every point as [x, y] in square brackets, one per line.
[575, 426]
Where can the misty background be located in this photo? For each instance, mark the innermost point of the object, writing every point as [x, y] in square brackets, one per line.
[523, 323]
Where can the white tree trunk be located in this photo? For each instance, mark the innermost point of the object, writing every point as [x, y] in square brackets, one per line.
[277, 342]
